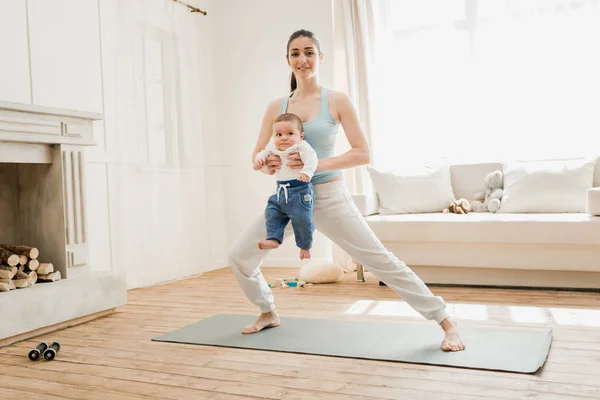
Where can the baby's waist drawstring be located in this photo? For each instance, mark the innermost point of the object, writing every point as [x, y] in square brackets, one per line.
[285, 192]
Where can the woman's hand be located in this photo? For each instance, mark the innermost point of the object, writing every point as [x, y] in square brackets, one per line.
[294, 161]
[273, 163]
[303, 177]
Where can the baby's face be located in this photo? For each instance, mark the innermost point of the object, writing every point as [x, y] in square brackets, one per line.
[286, 134]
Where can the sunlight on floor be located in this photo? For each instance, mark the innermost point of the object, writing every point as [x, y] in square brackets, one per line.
[567, 316]
[481, 312]
[531, 315]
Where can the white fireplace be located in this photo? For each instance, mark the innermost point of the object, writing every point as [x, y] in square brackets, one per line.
[42, 204]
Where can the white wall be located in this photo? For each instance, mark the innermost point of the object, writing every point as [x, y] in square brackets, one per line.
[209, 42]
[251, 70]
[238, 67]
[152, 223]
[15, 84]
[65, 56]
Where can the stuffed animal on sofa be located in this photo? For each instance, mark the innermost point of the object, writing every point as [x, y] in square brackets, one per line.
[490, 199]
[461, 206]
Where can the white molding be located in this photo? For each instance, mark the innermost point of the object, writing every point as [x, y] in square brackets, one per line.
[25, 153]
[50, 110]
[432, 275]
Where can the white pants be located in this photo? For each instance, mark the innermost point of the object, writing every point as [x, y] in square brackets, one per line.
[336, 217]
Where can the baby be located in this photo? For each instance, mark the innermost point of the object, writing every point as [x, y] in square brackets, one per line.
[296, 203]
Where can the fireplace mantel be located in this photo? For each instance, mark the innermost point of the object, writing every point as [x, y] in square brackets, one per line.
[45, 146]
[26, 123]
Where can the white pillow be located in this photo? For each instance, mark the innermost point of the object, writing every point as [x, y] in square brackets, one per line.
[414, 189]
[552, 186]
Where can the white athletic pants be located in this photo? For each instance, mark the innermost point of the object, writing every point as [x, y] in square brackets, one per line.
[336, 217]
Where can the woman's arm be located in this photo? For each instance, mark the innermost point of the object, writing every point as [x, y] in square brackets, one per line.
[266, 131]
[359, 154]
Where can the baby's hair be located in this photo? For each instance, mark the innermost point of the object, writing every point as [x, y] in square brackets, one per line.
[289, 117]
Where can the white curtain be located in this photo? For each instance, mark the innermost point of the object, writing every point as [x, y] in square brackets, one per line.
[361, 35]
[154, 95]
[477, 81]
[360, 40]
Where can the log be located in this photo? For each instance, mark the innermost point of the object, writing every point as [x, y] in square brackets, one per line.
[9, 283]
[20, 275]
[52, 277]
[4, 287]
[31, 252]
[21, 280]
[9, 257]
[45, 269]
[32, 265]
[32, 276]
[23, 259]
[7, 272]
[21, 283]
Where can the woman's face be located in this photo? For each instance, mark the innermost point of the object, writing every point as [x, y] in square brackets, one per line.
[303, 57]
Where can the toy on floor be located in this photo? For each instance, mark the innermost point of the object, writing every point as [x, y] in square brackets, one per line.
[461, 206]
[490, 199]
[288, 282]
[316, 272]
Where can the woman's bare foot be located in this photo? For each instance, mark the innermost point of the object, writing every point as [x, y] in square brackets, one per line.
[451, 340]
[265, 320]
[268, 244]
[304, 253]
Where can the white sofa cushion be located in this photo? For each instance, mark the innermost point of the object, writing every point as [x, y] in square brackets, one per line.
[549, 186]
[592, 206]
[413, 189]
[367, 203]
[564, 228]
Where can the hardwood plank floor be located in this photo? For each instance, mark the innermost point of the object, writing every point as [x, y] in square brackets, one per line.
[114, 357]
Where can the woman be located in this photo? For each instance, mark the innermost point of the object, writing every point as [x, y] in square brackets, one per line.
[335, 215]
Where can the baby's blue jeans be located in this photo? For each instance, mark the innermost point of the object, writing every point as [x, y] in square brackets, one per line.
[294, 201]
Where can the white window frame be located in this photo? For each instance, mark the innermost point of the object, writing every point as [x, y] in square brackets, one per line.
[170, 95]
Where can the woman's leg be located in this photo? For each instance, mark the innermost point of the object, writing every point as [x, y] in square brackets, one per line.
[337, 217]
[245, 259]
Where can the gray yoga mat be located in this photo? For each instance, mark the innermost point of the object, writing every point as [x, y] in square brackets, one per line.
[505, 349]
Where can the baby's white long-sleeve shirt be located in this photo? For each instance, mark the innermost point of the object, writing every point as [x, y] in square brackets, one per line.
[285, 173]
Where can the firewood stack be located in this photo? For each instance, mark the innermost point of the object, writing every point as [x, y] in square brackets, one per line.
[20, 268]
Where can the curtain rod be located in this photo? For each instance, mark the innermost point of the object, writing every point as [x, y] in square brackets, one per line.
[192, 8]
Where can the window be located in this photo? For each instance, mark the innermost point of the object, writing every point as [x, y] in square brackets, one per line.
[156, 97]
[481, 81]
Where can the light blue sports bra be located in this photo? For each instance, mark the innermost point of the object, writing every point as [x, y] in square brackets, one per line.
[321, 134]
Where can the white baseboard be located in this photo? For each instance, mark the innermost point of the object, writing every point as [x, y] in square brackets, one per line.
[458, 276]
[276, 263]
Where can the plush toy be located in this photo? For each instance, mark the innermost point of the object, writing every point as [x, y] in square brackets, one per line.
[315, 272]
[461, 206]
[490, 199]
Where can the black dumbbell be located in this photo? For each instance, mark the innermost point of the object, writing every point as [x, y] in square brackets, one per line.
[51, 351]
[34, 354]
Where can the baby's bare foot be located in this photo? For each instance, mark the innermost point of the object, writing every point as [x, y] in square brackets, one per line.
[304, 253]
[265, 320]
[268, 244]
[452, 341]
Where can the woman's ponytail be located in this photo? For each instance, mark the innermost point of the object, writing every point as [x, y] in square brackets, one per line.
[293, 84]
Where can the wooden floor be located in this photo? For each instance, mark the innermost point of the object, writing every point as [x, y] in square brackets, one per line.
[114, 358]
